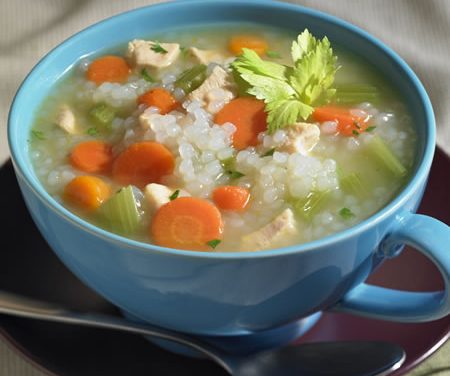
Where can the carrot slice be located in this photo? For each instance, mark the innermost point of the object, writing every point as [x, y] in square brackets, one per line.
[347, 123]
[143, 163]
[160, 98]
[108, 69]
[249, 118]
[92, 156]
[187, 223]
[230, 197]
[252, 42]
[86, 192]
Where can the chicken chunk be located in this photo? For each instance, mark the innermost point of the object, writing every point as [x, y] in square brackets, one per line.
[301, 138]
[67, 121]
[158, 195]
[217, 87]
[272, 234]
[147, 53]
[206, 56]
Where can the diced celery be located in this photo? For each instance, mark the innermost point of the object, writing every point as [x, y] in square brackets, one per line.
[103, 115]
[356, 93]
[378, 148]
[121, 213]
[312, 204]
[352, 183]
[192, 78]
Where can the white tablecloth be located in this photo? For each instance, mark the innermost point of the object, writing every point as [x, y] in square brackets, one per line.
[419, 30]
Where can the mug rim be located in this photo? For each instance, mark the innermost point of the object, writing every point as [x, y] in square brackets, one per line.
[422, 169]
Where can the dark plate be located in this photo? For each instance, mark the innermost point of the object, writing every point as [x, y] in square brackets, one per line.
[29, 267]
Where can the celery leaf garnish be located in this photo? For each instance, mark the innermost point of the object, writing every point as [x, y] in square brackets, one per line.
[290, 93]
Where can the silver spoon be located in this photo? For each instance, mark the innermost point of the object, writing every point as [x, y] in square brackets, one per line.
[347, 358]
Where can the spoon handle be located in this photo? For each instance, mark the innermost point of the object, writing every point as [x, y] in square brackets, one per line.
[21, 306]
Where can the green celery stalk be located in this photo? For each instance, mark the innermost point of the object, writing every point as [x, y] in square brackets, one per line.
[352, 183]
[192, 78]
[385, 157]
[356, 93]
[121, 213]
[103, 115]
[312, 204]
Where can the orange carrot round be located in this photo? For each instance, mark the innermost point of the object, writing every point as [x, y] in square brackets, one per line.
[108, 69]
[252, 42]
[92, 156]
[249, 118]
[230, 197]
[160, 98]
[187, 223]
[86, 192]
[143, 163]
[347, 123]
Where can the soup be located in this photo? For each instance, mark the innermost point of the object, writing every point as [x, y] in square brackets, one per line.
[236, 138]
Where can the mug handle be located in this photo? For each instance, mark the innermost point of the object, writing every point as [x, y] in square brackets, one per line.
[432, 238]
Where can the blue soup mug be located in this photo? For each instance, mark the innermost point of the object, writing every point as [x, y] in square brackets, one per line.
[237, 294]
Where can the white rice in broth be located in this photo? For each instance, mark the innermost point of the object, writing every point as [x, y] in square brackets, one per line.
[275, 178]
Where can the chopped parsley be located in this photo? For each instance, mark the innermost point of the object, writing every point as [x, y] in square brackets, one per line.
[371, 128]
[228, 166]
[37, 135]
[346, 213]
[92, 131]
[156, 47]
[273, 54]
[214, 243]
[174, 195]
[228, 163]
[235, 174]
[290, 92]
[269, 153]
[146, 76]
[355, 132]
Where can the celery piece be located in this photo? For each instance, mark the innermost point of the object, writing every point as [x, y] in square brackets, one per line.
[356, 93]
[103, 115]
[312, 204]
[383, 154]
[192, 78]
[121, 212]
[352, 183]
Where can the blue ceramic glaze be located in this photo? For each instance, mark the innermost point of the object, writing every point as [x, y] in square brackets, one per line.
[233, 294]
